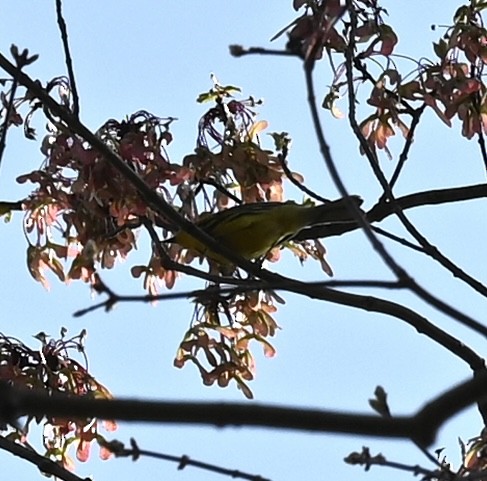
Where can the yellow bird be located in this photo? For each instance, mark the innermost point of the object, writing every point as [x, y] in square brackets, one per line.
[252, 230]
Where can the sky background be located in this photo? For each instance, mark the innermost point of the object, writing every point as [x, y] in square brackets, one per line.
[158, 56]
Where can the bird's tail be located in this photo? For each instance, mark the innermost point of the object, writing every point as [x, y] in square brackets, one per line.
[334, 212]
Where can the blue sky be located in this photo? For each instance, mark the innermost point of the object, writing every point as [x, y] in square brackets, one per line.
[159, 56]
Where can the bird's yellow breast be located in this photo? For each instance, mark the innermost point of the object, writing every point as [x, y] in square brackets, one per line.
[250, 235]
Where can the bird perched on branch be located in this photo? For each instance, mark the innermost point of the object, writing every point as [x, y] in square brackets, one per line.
[252, 230]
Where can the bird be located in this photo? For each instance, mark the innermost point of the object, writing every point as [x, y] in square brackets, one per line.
[252, 230]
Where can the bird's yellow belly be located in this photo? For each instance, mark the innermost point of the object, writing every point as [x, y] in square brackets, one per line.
[251, 241]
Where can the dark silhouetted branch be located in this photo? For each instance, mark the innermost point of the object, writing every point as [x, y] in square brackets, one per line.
[403, 156]
[383, 209]
[6, 121]
[216, 290]
[45, 465]
[69, 61]
[421, 427]
[183, 461]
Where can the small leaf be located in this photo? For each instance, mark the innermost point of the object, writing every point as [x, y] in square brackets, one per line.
[441, 48]
[41, 336]
[462, 14]
[285, 29]
[244, 388]
[256, 128]
[388, 38]
[269, 349]
[206, 97]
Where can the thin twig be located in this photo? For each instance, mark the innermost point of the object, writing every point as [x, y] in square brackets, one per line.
[477, 102]
[222, 190]
[367, 460]
[397, 239]
[182, 461]
[407, 145]
[216, 290]
[483, 150]
[416, 470]
[69, 61]
[428, 455]
[283, 161]
[5, 125]
[239, 51]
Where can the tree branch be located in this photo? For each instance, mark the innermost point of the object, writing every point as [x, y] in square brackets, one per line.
[6, 121]
[368, 303]
[422, 427]
[69, 61]
[420, 323]
[183, 461]
[367, 460]
[45, 465]
[202, 295]
[396, 238]
[403, 156]
[384, 209]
